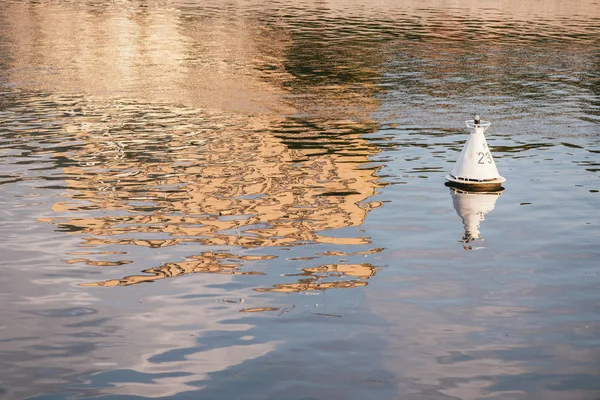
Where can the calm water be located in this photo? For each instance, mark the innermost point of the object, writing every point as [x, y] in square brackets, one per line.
[246, 200]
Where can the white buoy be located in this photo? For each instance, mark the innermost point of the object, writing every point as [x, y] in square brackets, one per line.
[475, 169]
[472, 207]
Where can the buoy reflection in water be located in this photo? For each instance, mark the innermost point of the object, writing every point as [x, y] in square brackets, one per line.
[472, 207]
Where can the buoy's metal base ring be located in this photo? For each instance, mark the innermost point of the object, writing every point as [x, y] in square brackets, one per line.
[474, 185]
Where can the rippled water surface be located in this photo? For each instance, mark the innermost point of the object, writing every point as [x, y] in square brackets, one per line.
[246, 200]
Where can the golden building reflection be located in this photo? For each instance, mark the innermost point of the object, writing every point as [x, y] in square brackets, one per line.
[182, 137]
[242, 189]
[207, 262]
[141, 51]
[315, 278]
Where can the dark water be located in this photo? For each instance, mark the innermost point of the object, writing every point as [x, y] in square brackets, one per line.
[246, 200]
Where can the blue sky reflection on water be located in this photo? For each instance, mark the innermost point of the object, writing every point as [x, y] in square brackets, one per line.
[247, 200]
